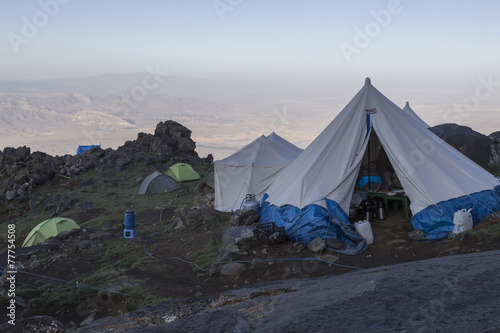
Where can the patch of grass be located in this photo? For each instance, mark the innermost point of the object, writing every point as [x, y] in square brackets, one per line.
[140, 298]
[69, 295]
[66, 295]
[491, 231]
[208, 255]
[212, 221]
[101, 277]
[123, 254]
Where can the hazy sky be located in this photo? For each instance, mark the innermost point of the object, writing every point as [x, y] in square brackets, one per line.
[407, 45]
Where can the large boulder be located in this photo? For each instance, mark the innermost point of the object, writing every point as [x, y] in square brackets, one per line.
[12, 155]
[174, 136]
[476, 146]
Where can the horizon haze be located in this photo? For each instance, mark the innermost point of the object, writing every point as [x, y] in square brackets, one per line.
[231, 70]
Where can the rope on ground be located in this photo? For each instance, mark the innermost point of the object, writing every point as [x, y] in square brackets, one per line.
[265, 260]
[77, 284]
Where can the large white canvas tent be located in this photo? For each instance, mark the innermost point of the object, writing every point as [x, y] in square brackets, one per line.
[437, 178]
[251, 170]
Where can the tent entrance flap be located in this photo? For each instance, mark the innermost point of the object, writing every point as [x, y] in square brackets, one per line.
[376, 171]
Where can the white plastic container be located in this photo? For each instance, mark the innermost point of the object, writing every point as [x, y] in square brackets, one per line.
[364, 228]
[462, 221]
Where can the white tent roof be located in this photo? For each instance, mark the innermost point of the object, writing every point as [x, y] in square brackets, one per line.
[251, 170]
[412, 114]
[429, 169]
[283, 143]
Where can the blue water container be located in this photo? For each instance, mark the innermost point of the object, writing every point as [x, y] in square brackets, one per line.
[130, 219]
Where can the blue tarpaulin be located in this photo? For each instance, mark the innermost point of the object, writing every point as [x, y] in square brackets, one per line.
[312, 221]
[304, 225]
[81, 149]
[437, 221]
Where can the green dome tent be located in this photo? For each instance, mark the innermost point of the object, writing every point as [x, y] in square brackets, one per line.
[182, 172]
[157, 183]
[49, 228]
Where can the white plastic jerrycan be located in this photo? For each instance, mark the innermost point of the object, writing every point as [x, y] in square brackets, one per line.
[364, 228]
[462, 220]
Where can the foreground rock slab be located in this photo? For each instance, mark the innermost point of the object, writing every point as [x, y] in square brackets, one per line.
[446, 294]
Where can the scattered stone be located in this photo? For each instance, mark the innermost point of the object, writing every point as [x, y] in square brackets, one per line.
[395, 242]
[88, 182]
[299, 248]
[248, 217]
[20, 301]
[330, 257]
[333, 243]
[231, 269]
[234, 235]
[234, 220]
[11, 195]
[34, 264]
[214, 269]
[416, 235]
[88, 320]
[178, 223]
[86, 206]
[317, 245]
[34, 324]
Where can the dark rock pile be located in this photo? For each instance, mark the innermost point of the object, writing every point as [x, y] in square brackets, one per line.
[495, 136]
[21, 171]
[482, 149]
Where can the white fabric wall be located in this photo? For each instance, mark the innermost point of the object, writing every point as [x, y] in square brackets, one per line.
[429, 169]
[250, 170]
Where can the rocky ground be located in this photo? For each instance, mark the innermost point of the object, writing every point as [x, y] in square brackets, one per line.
[77, 279]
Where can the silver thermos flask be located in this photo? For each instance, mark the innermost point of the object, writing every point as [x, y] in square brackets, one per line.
[381, 212]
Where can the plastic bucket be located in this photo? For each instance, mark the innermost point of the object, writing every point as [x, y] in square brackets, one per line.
[130, 219]
[364, 228]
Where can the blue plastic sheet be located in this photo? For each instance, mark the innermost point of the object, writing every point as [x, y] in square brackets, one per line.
[81, 149]
[374, 179]
[437, 221]
[304, 225]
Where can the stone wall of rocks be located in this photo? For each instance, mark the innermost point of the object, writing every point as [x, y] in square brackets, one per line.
[21, 171]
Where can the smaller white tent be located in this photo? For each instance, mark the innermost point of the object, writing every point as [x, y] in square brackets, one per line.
[285, 144]
[414, 116]
[251, 170]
